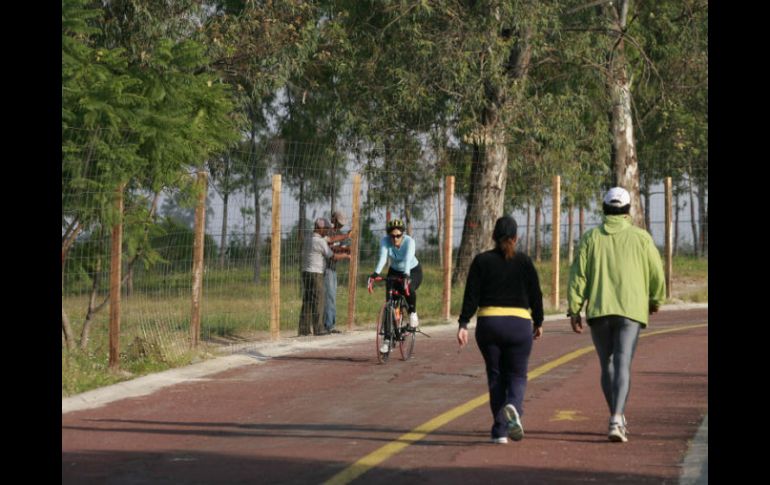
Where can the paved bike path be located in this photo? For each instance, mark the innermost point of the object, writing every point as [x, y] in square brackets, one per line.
[304, 417]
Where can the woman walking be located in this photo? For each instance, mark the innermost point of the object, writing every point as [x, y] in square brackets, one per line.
[503, 286]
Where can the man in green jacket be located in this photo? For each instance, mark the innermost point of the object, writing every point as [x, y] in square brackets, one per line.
[619, 275]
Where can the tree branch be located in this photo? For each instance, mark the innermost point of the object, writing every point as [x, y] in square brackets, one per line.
[69, 240]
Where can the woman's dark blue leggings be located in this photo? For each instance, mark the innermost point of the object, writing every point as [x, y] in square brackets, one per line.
[505, 343]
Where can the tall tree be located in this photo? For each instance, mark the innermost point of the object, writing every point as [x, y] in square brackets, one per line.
[138, 108]
[460, 62]
[619, 84]
[262, 48]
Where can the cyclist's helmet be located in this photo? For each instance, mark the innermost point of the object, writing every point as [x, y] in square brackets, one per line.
[395, 224]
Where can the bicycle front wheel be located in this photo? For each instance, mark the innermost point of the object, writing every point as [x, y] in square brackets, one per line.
[384, 333]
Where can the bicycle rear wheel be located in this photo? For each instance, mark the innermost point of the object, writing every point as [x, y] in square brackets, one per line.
[406, 342]
[384, 332]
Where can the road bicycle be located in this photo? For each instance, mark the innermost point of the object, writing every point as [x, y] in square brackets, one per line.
[392, 320]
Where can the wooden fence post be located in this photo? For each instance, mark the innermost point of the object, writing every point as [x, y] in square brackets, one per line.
[570, 238]
[354, 252]
[669, 246]
[555, 239]
[116, 250]
[275, 262]
[197, 269]
[449, 192]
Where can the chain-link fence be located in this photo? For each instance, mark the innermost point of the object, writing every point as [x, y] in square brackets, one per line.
[156, 278]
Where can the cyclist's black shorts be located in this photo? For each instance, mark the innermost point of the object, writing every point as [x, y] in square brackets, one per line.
[415, 275]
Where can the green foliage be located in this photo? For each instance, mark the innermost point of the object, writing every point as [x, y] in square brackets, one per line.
[139, 108]
[148, 114]
[153, 90]
[174, 246]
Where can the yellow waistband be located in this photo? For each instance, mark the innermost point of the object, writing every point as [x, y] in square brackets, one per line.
[504, 311]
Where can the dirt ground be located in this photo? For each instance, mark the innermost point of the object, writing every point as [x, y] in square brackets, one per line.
[684, 290]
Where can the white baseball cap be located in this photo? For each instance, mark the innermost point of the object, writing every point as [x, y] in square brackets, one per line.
[617, 197]
[339, 217]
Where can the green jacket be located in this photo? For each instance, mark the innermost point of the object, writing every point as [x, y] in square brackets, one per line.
[617, 271]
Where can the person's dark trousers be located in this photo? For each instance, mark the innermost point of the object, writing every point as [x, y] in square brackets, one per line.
[416, 276]
[311, 316]
[505, 343]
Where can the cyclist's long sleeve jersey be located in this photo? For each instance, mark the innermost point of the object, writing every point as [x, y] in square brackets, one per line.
[401, 259]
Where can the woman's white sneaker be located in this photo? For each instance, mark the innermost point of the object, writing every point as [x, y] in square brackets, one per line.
[414, 322]
[515, 429]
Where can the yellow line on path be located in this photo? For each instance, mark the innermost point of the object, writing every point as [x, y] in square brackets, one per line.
[394, 447]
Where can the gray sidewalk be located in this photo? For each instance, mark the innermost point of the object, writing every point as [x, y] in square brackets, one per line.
[695, 469]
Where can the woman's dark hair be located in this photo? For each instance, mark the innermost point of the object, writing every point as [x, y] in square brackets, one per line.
[611, 210]
[505, 234]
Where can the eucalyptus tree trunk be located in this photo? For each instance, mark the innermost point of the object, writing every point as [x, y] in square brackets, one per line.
[693, 221]
[302, 215]
[485, 201]
[581, 222]
[129, 280]
[408, 217]
[440, 225]
[646, 192]
[391, 185]
[529, 231]
[676, 224]
[257, 208]
[257, 238]
[570, 224]
[703, 218]
[333, 197]
[490, 161]
[538, 249]
[624, 154]
[223, 237]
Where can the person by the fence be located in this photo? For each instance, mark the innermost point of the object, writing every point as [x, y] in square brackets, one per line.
[619, 273]
[400, 248]
[315, 254]
[335, 238]
[503, 285]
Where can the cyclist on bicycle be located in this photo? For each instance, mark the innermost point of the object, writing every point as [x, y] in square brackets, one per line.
[400, 249]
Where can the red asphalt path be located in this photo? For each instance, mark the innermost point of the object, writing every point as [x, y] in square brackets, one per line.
[302, 418]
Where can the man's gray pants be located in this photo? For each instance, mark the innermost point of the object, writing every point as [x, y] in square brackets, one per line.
[615, 339]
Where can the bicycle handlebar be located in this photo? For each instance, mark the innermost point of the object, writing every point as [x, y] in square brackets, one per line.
[397, 279]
